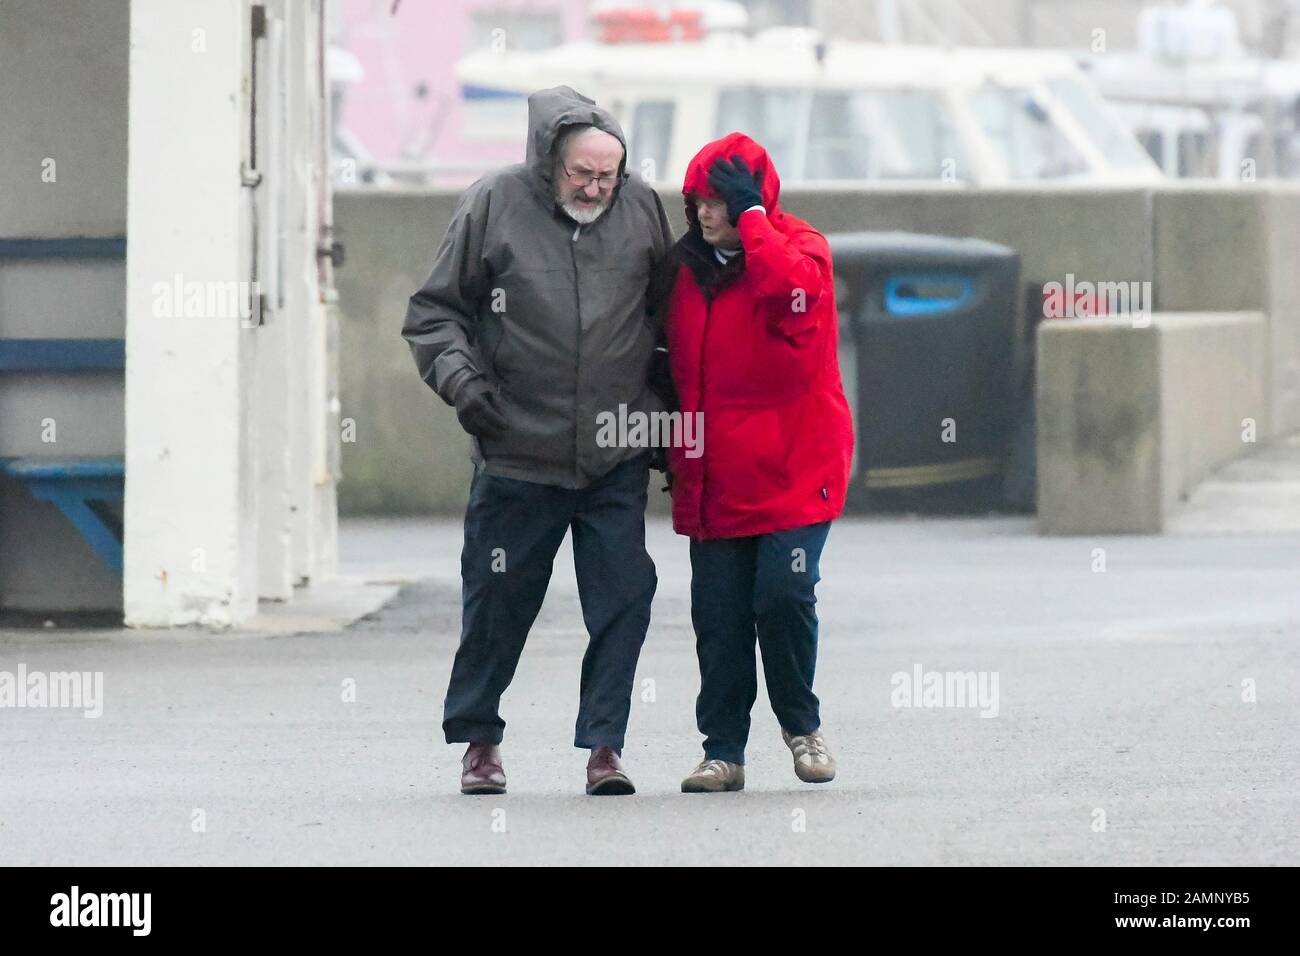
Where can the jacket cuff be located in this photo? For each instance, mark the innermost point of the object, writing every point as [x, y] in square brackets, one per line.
[751, 227]
[454, 383]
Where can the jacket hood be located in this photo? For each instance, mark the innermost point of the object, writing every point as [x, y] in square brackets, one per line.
[696, 183]
[549, 111]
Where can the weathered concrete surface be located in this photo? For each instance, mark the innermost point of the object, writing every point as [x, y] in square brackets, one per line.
[1260, 493]
[1098, 435]
[1214, 402]
[1119, 690]
[1222, 247]
[409, 455]
[1133, 413]
[1202, 246]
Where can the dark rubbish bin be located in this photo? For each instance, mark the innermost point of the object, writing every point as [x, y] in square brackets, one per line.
[931, 331]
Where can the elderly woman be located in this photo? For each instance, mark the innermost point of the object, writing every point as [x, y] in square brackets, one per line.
[752, 343]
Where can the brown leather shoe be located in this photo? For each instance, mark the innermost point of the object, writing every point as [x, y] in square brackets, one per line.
[605, 776]
[481, 770]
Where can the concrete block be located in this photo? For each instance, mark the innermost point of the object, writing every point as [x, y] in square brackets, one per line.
[1098, 408]
[1132, 416]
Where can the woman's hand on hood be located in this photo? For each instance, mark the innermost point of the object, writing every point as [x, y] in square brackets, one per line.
[738, 187]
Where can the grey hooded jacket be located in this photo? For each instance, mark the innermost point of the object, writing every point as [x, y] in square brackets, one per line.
[553, 313]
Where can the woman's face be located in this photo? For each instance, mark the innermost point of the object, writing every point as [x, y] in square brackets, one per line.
[712, 214]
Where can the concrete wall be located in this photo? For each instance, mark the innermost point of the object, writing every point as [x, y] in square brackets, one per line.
[63, 98]
[1214, 401]
[1224, 247]
[1281, 209]
[1202, 247]
[63, 170]
[1131, 418]
[410, 455]
[406, 452]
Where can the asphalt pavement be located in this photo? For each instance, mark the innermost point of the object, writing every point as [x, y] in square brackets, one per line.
[1147, 711]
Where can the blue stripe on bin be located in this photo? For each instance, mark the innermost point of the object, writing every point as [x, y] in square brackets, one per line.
[902, 297]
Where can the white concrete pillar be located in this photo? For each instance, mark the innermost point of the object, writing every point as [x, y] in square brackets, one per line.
[309, 286]
[277, 355]
[297, 507]
[323, 370]
[230, 488]
[191, 414]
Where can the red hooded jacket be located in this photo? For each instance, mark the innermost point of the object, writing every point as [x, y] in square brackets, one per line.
[760, 361]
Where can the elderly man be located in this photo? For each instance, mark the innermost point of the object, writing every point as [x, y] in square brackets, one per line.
[534, 322]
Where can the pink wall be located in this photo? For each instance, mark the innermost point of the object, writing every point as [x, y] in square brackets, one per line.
[420, 45]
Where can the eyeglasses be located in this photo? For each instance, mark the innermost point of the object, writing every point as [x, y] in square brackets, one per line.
[586, 179]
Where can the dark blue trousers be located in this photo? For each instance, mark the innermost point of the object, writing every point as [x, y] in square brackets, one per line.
[762, 588]
[513, 530]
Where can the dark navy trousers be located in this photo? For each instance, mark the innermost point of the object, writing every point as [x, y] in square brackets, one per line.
[746, 589]
[513, 530]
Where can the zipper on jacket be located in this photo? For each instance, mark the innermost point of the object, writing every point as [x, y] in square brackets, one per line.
[704, 468]
[577, 351]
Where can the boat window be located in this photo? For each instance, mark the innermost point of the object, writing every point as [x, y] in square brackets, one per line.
[1022, 131]
[877, 134]
[1285, 154]
[652, 132]
[850, 134]
[529, 30]
[1112, 139]
[768, 116]
[1153, 141]
[1195, 155]
[1288, 160]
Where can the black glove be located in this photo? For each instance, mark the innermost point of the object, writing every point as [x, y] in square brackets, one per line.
[660, 380]
[658, 459]
[477, 411]
[659, 462]
[736, 185]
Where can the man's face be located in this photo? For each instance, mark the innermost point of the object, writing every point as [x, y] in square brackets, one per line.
[718, 230]
[593, 153]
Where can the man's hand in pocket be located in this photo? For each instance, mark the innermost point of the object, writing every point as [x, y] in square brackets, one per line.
[478, 410]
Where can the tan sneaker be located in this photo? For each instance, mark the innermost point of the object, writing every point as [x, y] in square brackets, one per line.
[813, 763]
[715, 776]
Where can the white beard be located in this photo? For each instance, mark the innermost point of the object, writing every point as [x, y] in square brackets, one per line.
[584, 216]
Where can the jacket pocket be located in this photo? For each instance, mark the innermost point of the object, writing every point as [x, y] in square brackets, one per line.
[493, 370]
[785, 369]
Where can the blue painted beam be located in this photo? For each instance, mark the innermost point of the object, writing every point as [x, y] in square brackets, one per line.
[70, 247]
[63, 468]
[71, 498]
[69, 484]
[41, 355]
